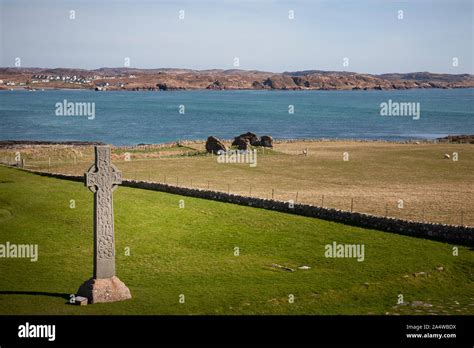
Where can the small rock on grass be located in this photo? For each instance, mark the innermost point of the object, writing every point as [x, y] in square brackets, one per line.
[282, 267]
[80, 301]
[421, 304]
[419, 274]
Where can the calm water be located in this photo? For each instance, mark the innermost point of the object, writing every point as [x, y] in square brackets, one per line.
[123, 118]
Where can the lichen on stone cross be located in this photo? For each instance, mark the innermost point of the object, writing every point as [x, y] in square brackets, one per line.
[102, 178]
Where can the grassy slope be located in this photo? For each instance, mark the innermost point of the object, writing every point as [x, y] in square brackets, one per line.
[190, 251]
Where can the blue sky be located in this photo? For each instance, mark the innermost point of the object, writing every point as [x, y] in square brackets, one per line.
[259, 33]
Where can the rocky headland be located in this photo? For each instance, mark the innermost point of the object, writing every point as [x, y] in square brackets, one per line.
[234, 79]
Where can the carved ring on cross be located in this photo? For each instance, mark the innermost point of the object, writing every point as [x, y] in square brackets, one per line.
[115, 174]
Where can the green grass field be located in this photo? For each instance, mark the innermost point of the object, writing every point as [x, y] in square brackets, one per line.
[190, 251]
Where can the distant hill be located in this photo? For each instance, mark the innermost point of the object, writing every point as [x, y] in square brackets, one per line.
[426, 77]
[177, 78]
[316, 72]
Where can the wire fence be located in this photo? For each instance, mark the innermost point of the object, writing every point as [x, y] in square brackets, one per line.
[380, 206]
[423, 211]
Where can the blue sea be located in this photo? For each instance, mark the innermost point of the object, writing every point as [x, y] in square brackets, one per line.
[128, 118]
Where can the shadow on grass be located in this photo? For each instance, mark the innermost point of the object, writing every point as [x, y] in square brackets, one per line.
[36, 293]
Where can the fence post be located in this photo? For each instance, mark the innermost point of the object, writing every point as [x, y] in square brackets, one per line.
[352, 204]
[273, 193]
[386, 209]
[462, 218]
[322, 200]
[296, 200]
[228, 189]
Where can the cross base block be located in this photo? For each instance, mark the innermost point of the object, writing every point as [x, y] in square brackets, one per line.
[104, 290]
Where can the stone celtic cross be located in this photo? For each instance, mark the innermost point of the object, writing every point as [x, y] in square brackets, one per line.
[102, 178]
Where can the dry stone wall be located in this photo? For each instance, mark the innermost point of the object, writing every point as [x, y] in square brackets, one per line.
[461, 235]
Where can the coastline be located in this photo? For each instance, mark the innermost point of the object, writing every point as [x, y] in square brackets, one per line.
[132, 79]
[153, 89]
[449, 139]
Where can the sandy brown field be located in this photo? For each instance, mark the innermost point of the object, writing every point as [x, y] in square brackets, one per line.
[410, 181]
